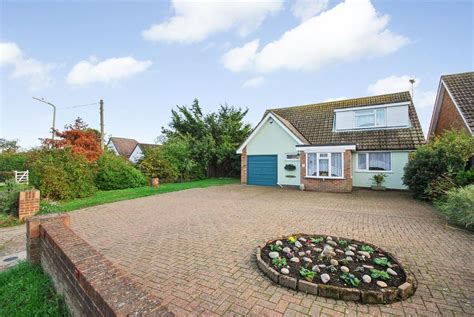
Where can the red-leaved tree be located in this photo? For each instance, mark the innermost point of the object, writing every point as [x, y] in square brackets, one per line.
[80, 138]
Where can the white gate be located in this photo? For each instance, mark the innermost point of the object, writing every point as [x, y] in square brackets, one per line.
[21, 177]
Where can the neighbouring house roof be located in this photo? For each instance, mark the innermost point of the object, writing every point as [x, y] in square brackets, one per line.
[146, 146]
[314, 123]
[124, 146]
[461, 89]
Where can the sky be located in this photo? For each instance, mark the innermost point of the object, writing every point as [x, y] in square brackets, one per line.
[145, 57]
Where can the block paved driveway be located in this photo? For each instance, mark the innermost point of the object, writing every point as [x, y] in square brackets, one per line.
[195, 249]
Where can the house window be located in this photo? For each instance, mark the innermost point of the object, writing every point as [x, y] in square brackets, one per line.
[374, 161]
[324, 165]
[292, 156]
[370, 118]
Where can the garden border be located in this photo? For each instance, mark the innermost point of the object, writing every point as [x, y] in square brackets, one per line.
[382, 296]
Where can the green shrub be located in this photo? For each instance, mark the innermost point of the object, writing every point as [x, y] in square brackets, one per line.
[60, 174]
[115, 172]
[155, 163]
[9, 198]
[13, 161]
[444, 156]
[459, 206]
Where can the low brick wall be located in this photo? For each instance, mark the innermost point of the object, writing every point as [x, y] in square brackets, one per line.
[91, 284]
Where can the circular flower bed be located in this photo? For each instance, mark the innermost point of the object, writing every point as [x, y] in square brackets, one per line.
[335, 267]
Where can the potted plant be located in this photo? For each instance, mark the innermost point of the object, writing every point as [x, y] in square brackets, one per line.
[379, 179]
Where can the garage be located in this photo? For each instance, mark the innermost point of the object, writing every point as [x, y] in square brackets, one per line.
[262, 170]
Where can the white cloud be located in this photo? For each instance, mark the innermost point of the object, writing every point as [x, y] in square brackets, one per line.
[350, 31]
[37, 73]
[305, 9]
[112, 69]
[241, 57]
[391, 84]
[254, 82]
[194, 21]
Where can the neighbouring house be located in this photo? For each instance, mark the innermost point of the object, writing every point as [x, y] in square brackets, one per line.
[122, 146]
[454, 105]
[139, 150]
[333, 146]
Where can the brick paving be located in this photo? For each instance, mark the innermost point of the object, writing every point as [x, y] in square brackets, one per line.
[194, 249]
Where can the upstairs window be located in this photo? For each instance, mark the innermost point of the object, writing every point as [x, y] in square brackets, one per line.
[374, 161]
[370, 118]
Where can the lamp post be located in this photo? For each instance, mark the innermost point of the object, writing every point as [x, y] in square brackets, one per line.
[54, 114]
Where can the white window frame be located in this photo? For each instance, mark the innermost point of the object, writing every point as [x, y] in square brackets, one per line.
[329, 165]
[374, 113]
[366, 170]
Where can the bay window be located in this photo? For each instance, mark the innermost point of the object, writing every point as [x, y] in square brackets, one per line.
[324, 165]
[370, 118]
[374, 161]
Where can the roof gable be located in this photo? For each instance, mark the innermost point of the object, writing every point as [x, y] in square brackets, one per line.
[124, 146]
[461, 89]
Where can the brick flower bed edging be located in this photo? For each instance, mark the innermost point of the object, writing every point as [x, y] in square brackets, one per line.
[369, 296]
[91, 284]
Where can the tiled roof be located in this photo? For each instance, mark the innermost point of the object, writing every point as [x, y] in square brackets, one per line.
[461, 87]
[315, 124]
[146, 146]
[124, 146]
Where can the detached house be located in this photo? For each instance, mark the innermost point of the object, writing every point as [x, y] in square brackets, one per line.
[454, 106]
[333, 146]
[130, 149]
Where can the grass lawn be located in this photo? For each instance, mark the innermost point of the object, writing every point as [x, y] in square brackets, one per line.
[104, 197]
[26, 291]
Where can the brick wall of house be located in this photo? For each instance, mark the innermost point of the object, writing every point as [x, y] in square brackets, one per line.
[28, 203]
[243, 166]
[449, 117]
[91, 284]
[328, 185]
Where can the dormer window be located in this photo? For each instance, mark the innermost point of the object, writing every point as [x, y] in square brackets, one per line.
[370, 118]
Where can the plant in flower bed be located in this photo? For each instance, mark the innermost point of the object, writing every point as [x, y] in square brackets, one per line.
[333, 261]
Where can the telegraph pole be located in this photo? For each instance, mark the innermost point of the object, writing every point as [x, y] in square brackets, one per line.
[101, 111]
[54, 114]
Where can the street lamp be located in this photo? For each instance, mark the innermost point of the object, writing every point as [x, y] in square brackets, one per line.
[54, 113]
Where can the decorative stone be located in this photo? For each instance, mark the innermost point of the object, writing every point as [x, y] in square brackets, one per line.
[334, 262]
[295, 259]
[366, 278]
[322, 266]
[285, 271]
[345, 269]
[364, 253]
[369, 267]
[352, 248]
[328, 238]
[325, 278]
[308, 252]
[331, 254]
[316, 269]
[274, 255]
[332, 243]
[381, 284]
[339, 251]
[350, 253]
[278, 242]
[307, 260]
[391, 272]
[350, 259]
[302, 239]
[298, 244]
[317, 250]
[286, 250]
[301, 253]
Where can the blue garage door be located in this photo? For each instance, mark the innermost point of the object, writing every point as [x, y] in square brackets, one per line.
[262, 170]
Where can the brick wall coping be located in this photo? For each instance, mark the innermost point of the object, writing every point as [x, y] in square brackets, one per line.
[110, 291]
[382, 296]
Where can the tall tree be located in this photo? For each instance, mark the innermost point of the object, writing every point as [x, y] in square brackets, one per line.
[213, 138]
[8, 146]
[80, 138]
